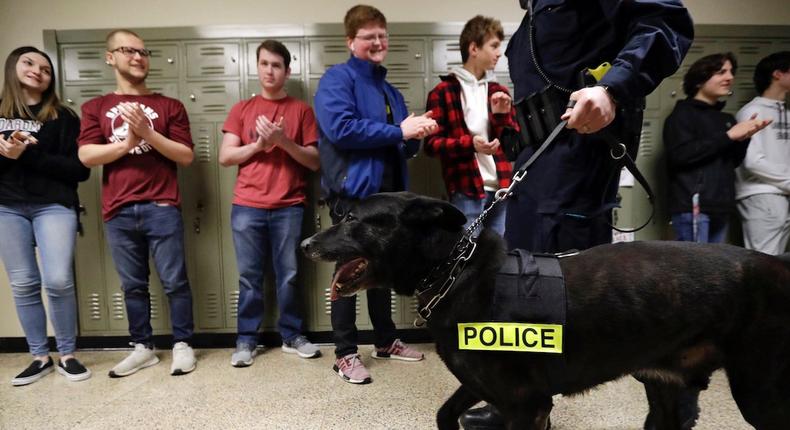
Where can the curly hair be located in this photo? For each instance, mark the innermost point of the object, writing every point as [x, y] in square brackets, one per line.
[703, 69]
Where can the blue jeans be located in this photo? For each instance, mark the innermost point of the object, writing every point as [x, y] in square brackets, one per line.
[472, 208]
[136, 230]
[53, 229]
[711, 228]
[260, 234]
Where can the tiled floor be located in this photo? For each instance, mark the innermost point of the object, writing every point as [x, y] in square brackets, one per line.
[285, 392]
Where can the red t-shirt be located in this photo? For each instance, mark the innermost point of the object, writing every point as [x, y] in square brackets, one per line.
[144, 174]
[271, 180]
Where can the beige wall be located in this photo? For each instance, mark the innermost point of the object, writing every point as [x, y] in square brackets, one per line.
[22, 22]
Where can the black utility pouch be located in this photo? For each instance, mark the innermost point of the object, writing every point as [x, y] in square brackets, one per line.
[537, 115]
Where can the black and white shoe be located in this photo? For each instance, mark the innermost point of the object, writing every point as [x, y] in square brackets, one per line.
[73, 370]
[33, 373]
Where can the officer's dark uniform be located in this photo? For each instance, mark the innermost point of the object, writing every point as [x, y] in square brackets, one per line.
[566, 198]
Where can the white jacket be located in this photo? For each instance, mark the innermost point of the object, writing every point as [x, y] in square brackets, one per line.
[766, 168]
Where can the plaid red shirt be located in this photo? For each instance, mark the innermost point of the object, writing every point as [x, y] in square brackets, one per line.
[452, 143]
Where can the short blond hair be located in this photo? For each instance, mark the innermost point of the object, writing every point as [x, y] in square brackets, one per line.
[111, 36]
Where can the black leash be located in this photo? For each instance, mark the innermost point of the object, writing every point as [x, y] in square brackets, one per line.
[441, 278]
[617, 151]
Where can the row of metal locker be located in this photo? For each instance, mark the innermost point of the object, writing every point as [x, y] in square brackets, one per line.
[209, 75]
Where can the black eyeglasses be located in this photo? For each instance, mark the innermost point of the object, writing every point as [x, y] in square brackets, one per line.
[370, 38]
[129, 51]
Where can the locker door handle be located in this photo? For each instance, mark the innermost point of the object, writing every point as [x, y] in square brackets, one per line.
[171, 61]
[196, 225]
[418, 55]
[70, 101]
[192, 97]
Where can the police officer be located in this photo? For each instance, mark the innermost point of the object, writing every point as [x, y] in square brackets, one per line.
[565, 201]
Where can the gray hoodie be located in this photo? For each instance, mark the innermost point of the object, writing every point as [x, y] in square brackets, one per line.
[766, 168]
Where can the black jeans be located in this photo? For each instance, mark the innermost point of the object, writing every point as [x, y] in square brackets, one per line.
[344, 315]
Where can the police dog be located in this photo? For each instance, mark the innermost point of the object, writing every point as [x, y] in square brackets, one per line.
[669, 313]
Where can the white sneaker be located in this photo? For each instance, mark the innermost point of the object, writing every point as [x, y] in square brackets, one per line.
[140, 358]
[183, 359]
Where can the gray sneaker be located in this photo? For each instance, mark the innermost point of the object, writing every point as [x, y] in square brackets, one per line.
[300, 345]
[243, 356]
[183, 359]
[140, 358]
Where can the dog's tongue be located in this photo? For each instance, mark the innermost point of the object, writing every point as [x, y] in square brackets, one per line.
[343, 274]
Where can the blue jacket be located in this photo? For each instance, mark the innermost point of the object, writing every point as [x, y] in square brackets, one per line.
[355, 138]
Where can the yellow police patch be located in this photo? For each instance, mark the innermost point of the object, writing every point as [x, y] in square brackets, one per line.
[506, 336]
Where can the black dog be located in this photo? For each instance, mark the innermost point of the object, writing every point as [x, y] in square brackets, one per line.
[667, 312]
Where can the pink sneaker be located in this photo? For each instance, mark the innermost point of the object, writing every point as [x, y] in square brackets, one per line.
[351, 369]
[398, 351]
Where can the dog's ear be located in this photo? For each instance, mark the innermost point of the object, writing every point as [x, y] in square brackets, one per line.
[425, 211]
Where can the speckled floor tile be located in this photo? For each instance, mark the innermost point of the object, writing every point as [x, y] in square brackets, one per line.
[282, 391]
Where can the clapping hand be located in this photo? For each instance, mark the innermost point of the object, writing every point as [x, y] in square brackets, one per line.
[485, 147]
[16, 144]
[270, 134]
[500, 102]
[418, 126]
[746, 129]
[133, 115]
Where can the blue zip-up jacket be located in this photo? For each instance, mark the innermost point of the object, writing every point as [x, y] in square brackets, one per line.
[355, 138]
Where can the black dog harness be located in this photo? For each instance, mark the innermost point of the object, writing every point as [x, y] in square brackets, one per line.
[530, 288]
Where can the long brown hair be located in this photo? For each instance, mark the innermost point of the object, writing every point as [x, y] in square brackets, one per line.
[13, 104]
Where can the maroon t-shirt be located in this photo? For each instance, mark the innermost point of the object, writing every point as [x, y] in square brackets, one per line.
[144, 174]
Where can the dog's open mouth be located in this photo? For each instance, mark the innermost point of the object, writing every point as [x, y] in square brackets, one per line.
[347, 277]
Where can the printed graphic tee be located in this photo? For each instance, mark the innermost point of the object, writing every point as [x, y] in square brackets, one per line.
[143, 174]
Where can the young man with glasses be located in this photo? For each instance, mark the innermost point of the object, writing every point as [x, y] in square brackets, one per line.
[366, 136]
[272, 138]
[140, 137]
